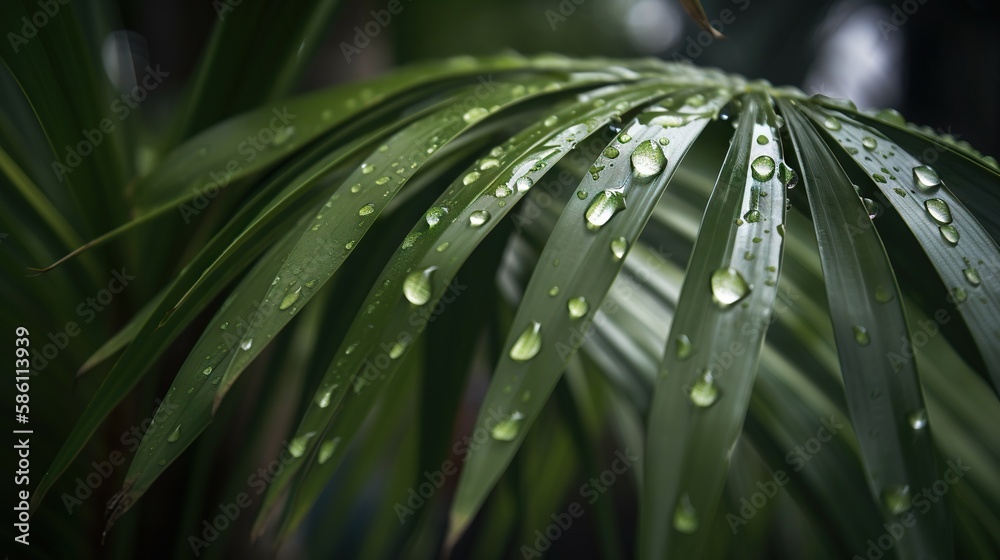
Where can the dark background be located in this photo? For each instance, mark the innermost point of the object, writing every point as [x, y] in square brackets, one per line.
[940, 66]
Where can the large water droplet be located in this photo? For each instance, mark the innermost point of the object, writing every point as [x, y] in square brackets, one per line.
[831, 123]
[861, 335]
[523, 184]
[705, 391]
[728, 286]
[506, 429]
[788, 176]
[926, 178]
[174, 435]
[684, 347]
[869, 143]
[938, 210]
[762, 168]
[290, 298]
[577, 307]
[417, 285]
[606, 204]
[896, 499]
[685, 516]
[528, 344]
[478, 218]
[648, 160]
[366, 209]
[619, 246]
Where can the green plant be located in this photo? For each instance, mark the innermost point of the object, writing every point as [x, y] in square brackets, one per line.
[516, 209]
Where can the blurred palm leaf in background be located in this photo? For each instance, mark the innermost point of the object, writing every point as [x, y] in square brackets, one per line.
[505, 306]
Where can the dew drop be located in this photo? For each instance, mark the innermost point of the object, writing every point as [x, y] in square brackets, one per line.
[434, 215]
[958, 294]
[554, 291]
[442, 247]
[577, 307]
[869, 143]
[297, 447]
[624, 138]
[648, 160]
[831, 123]
[417, 286]
[938, 210]
[762, 168]
[611, 152]
[753, 216]
[323, 397]
[918, 419]
[861, 335]
[896, 499]
[246, 344]
[551, 120]
[290, 298]
[283, 134]
[950, 234]
[728, 286]
[926, 178]
[523, 184]
[506, 429]
[762, 140]
[478, 218]
[685, 516]
[704, 392]
[474, 114]
[470, 178]
[972, 275]
[605, 205]
[684, 347]
[502, 191]
[326, 450]
[366, 209]
[619, 246]
[528, 343]
[883, 294]
[397, 350]
[174, 435]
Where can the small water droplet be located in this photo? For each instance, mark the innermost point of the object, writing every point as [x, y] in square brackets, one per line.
[551, 120]
[290, 298]
[684, 347]
[958, 294]
[762, 140]
[883, 294]
[728, 286]
[246, 344]
[831, 123]
[283, 134]
[367, 168]
[685, 516]
[554, 291]
[174, 435]
[624, 138]
[762, 168]
[366, 209]
[950, 234]
[297, 447]
[442, 247]
[861, 335]
[605, 205]
[470, 178]
[918, 419]
[577, 307]
[326, 450]
[502, 191]
[869, 143]
[474, 114]
[523, 184]
[507, 429]
[704, 392]
[938, 210]
[434, 215]
[417, 286]
[528, 343]
[478, 218]
[753, 216]
[323, 397]
[648, 160]
[972, 275]
[611, 152]
[619, 246]
[896, 499]
[396, 350]
[872, 208]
